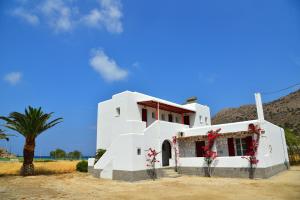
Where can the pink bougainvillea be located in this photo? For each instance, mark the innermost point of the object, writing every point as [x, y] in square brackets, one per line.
[209, 154]
[252, 147]
[152, 153]
[151, 160]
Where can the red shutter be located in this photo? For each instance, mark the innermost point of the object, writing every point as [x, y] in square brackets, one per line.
[231, 150]
[144, 115]
[200, 148]
[248, 143]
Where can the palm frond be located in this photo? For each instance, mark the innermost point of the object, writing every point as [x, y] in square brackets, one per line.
[30, 124]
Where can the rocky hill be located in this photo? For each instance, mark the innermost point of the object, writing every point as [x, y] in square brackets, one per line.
[284, 112]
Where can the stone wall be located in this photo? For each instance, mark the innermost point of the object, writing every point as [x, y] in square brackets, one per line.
[235, 172]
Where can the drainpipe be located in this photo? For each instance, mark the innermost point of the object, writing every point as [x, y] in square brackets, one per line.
[259, 107]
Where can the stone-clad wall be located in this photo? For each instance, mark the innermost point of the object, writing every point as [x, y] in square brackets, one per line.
[94, 172]
[235, 172]
[187, 149]
[196, 171]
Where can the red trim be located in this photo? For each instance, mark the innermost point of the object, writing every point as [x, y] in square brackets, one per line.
[248, 143]
[231, 150]
[164, 106]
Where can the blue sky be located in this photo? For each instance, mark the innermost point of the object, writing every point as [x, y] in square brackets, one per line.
[67, 56]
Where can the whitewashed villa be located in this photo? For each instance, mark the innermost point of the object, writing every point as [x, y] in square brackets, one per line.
[130, 123]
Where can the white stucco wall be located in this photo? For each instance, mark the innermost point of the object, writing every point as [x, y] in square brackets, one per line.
[109, 125]
[272, 148]
[122, 135]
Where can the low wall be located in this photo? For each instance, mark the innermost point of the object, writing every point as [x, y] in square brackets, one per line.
[137, 175]
[235, 172]
[94, 172]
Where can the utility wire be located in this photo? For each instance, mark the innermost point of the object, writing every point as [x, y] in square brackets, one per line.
[276, 91]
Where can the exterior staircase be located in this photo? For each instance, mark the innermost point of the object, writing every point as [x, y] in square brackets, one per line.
[170, 173]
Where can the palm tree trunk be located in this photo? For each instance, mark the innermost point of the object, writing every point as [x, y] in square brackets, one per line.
[28, 154]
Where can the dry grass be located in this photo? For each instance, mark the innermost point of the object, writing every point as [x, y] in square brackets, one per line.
[45, 168]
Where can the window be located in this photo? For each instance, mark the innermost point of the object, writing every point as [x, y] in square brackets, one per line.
[153, 115]
[138, 151]
[170, 116]
[205, 120]
[176, 119]
[186, 120]
[162, 116]
[200, 119]
[118, 111]
[240, 146]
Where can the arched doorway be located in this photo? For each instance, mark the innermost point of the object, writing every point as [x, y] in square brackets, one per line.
[166, 153]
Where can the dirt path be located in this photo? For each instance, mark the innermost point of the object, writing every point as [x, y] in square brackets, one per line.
[83, 186]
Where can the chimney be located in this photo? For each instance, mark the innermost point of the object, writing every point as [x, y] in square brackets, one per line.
[259, 107]
[191, 100]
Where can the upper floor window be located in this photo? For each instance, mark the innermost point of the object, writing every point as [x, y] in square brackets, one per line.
[200, 119]
[170, 116]
[176, 119]
[186, 120]
[118, 112]
[162, 116]
[206, 120]
[153, 115]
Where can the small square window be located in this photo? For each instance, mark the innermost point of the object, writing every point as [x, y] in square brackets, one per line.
[153, 115]
[138, 151]
[118, 111]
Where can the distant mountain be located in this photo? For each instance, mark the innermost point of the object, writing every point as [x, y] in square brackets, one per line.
[284, 112]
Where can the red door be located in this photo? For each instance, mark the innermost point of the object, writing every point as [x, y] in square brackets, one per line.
[144, 115]
[200, 148]
[231, 150]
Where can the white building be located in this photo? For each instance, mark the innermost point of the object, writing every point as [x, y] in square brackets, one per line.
[130, 123]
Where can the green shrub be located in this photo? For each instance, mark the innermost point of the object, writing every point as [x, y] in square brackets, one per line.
[82, 166]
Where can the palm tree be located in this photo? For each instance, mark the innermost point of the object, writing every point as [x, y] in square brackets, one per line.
[3, 136]
[30, 125]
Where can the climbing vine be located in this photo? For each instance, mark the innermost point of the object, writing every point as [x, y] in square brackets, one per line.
[175, 146]
[151, 160]
[209, 154]
[251, 152]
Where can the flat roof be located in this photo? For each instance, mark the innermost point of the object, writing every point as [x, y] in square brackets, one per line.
[165, 106]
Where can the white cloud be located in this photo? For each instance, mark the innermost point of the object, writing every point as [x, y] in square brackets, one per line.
[25, 15]
[107, 67]
[13, 78]
[64, 16]
[108, 15]
[93, 18]
[58, 15]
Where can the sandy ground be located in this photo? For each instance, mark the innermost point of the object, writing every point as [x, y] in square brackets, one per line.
[75, 185]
